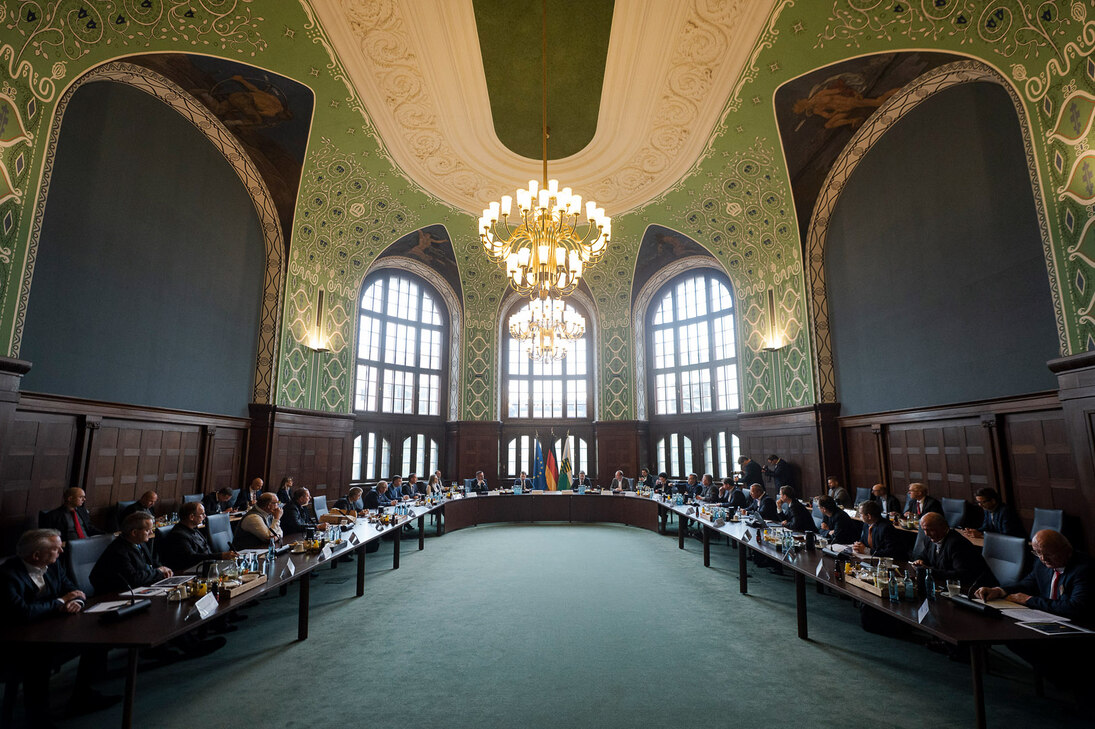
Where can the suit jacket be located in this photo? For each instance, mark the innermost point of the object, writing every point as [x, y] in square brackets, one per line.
[646, 483]
[1003, 521]
[1075, 589]
[780, 473]
[841, 497]
[61, 519]
[619, 484]
[738, 498]
[20, 599]
[296, 518]
[133, 509]
[584, 482]
[244, 501]
[751, 474]
[123, 566]
[256, 530]
[213, 505]
[183, 547]
[525, 483]
[956, 558]
[890, 504]
[800, 518]
[765, 506]
[285, 495]
[930, 504]
[370, 500]
[883, 540]
[345, 504]
[479, 486]
[843, 529]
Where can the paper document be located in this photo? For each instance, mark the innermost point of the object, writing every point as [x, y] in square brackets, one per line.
[107, 607]
[146, 592]
[1050, 627]
[1029, 614]
[1001, 604]
[172, 581]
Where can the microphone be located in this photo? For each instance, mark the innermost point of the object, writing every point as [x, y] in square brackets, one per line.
[132, 595]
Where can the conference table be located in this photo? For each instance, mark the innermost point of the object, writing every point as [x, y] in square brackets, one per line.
[165, 620]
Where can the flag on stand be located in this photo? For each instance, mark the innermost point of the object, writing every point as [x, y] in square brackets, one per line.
[552, 474]
[565, 466]
[538, 481]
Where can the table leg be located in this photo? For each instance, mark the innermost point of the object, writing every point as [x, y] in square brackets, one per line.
[305, 583]
[800, 604]
[663, 518]
[395, 549]
[682, 528]
[421, 532]
[706, 545]
[977, 668]
[361, 570]
[133, 656]
[743, 573]
[440, 518]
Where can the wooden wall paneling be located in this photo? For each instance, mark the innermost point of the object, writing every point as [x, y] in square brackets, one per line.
[1076, 379]
[619, 447]
[861, 454]
[473, 446]
[953, 458]
[36, 470]
[793, 435]
[1041, 464]
[314, 448]
[227, 450]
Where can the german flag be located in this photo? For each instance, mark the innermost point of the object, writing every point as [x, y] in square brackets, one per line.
[551, 473]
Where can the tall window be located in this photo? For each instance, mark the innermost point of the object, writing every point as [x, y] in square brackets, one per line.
[400, 340]
[372, 457]
[692, 346]
[521, 453]
[419, 456]
[554, 390]
[674, 455]
[720, 454]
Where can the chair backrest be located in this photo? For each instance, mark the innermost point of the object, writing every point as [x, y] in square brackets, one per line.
[1047, 519]
[468, 483]
[319, 503]
[818, 516]
[220, 532]
[81, 556]
[630, 484]
[920, 546]
[235, 495]
[863, 493]
[1006, 556]
[955, 511]
[118, 509]
[42, 518]
[191, 498]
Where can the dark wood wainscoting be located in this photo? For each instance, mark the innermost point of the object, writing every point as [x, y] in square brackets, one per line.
[620, 446]
[473, 446]
[798, 437]
[315, 448]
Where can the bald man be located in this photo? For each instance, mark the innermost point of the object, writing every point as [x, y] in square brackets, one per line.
[71, 517]
[249, 496]
[147, 504]
[951, 556]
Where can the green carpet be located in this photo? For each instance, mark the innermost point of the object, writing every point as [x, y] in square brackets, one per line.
[560, 626]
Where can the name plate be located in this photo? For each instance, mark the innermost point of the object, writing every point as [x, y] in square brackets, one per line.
[720, 523]
[747, 535]
[325, 554]
[206, 606]
[820, 569]
[922, 613]
[354, 539]
[290, 568]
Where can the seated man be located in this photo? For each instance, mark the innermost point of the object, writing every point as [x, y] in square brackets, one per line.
[33, 587]
[838, 493]
[709, 492]
[383, 498]
[185, 546]
[351, 503]
[370, 499]
[219, 501]
[662, 484]
[128, 561]
[397, 490]
[878, 537]
[146, 504]
[646, 481]
[523, 481]
[693, 485]
[261, 525]
[619, 483]
[951, 556]
[297, 517]
[285, 491]
[413, 488]
[761, 503]
[1061, 582]
[71, 518]
[480, 484]
[919, 503]
[583, 480]
[797, 517]
[999, 517]
[888, 503]
[837, 526]
[249, 496]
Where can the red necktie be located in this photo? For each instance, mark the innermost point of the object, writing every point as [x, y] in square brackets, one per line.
[80, 530]
[1053, 587]
[919, 508]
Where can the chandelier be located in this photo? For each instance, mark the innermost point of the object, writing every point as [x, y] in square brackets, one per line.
[547, 245]
[548, 326]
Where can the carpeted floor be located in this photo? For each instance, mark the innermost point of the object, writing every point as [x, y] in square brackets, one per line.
[565, 626]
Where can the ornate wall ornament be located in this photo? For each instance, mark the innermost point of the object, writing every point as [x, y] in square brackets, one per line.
[452, 304]
[204, 120]
[887, 115]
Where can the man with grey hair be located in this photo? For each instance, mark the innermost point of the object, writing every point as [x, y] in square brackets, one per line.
[260, 526]
[34, 587]
[128, 561]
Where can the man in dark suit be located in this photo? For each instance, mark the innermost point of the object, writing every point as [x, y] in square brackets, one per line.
[1061, 582]
[779, 471]
[837, 526]
[888, 503]
[878, 537]
[128, 562]
[999, 517]
[71, 518]
[396, 490]
[185, 546]
[583, 480]
[249, 496]
[523, 481]
[352, 502]
[762, 504]
[218, 502]
[646, 481]
[370, 500]
[919, 503]
[285, 491]
[146, 504]
[708, 492]
[479, 486]
[750, 472]
[34, 587]
[382, 496]
[298, 517]
[951, 556]
[797, 517]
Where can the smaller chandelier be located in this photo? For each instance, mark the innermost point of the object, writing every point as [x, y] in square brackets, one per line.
[548, 326]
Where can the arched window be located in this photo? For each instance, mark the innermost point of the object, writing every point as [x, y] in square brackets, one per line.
[558, 389]
[521, 453]
[692, 347]
[674, 455]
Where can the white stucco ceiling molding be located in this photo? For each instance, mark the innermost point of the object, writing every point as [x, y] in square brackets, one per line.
[418, 69]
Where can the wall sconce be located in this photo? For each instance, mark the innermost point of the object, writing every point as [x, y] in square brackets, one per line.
[317, 341]
[775, 340]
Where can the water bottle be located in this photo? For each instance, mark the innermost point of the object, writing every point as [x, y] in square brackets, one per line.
[269, 558]
[929, 585]
[895, 595]
[910, 588]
